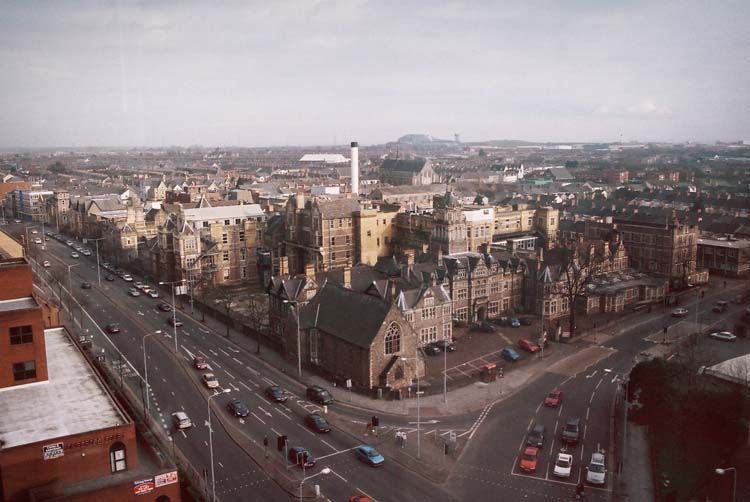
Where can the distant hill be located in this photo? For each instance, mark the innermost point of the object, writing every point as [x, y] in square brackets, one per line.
[506, 143]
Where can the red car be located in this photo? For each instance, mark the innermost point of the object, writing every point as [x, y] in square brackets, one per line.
[528, 345]
[199, 363]
[529, 459]
[553, 399]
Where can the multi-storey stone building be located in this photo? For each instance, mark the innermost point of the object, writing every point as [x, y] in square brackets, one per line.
[408, 172]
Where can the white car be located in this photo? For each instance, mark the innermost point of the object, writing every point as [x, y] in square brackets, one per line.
[34, 232]
[680, 312]
[46, 264]
[134, 292]
[74, 255]
[563, 465]
[37, 241]
[153, 293]
[210, 380]
[127, 278]
[725, 336]
[596, 472]
[181, 420]
[138, 284]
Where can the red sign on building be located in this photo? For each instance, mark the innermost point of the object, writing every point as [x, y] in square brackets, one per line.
[143, 486]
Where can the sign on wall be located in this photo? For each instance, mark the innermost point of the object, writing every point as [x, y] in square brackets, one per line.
[143, 486]
[167, 478]
[51, 451]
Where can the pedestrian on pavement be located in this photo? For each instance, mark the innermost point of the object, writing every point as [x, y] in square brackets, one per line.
[579, 490]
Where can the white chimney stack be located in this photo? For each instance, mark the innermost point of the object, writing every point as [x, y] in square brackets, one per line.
[355, 167]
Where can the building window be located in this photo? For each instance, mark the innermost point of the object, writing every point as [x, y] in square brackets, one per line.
[447, 328]
[227, 222]
[24, 370]
[225, 256]
[224, 238]
[392, 339]
[493, 308]
[369, 233]
[205, 224]
[428, 335]
[428, 313]
[333, 241]
[117, 458]
[461, 294]
[21, 334]
[409, 316]
[242, 235]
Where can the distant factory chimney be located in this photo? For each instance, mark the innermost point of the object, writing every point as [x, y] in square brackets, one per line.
[355, 167]
[457, 138]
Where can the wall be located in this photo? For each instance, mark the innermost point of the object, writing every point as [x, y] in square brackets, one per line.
[35, 351]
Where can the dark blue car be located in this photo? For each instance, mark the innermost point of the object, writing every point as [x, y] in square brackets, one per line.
[509, 354]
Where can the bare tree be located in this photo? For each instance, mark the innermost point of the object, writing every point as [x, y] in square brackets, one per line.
[257, 314]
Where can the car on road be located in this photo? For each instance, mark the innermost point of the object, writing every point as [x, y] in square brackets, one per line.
[360, 498]
[483, 327]
[276, 394]
[172, 321]
[720, 306]
[210, 381]
[74, 255]
[318, 394]
[181, 420]
[679, 312]
[514, 322]
[740, 299]
[510, 354]
[369, 455]
[146, 288]
[563, 465]
[85, 285]
[301, 457]
[526, 321]
[596, 472]
[165, 307]
[69, 243]
[138, 285]
[554, 398]
[37, 241]
[46, 264]
[535, 437]
[112, 327]
[317, 423]
[35, 231]
[431, 350]
[110, 277]
[134, 292]
[127, 278]
[85, 252]
[200, 362]
[238, 408]
[724, 336]
[572, 430]
[529, 459]
[529, 346]
[445, 345]
[153, 293]
[17, 221]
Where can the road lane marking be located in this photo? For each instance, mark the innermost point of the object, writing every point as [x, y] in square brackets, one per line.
[587, 412]
[592, 397]
[216, 364]
[230, 375]
[245, 386]
[306, 429]
[328, 444]
[275, 431]
[236, 389]
[183, 433]
[264, 411]
[254, 372]
[287, 416]
[259, 420]
[212, 351]
[268, 381]
[332, 454]
[222, 465]
[225, 352]
[201, 353]
[600, 382]
[236, 360]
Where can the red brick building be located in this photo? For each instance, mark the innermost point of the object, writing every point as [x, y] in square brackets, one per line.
[63, 436]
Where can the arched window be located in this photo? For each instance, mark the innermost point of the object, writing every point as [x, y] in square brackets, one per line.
[393, 339]
[117, 457]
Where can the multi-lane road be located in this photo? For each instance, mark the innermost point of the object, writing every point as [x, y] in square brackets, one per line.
[488, 468]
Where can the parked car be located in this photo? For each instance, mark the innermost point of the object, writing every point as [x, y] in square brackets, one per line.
[112, 327]
[138, 285]
[317, 423]
[679, 312]
[153, 293]
[529, 459]
[165, 307]
[181, 420]
[526, 321]
[483, 327]
[445, 345]
[69, 243]
[572, 430]
[74, 255]
[720, 306]
[369, 455]
[210, 381]
[238, 408]
[172, 321]
[515, 323]
[553, 399]
[535, 437]
[360, 498]
[200, 363]
[46, 264]
[134, 292]
[301, 457]
[276, 394]
[37, 240]
[318, 394]
[724, 336]
[85, 252]
[740, 299]
[528, 345]
[510, 354]
[563, 465]
[110, 278]
[431, 350]
[127, 278]
[596, 472]
[146, 288]
[85, 285]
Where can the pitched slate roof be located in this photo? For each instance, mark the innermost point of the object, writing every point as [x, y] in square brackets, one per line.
[404, 165]
[337, 208]
[347, 315]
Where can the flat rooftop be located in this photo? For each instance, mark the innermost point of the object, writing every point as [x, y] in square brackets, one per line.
[72, 401]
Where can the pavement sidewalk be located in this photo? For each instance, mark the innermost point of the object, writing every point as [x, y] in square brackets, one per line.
[636, 478]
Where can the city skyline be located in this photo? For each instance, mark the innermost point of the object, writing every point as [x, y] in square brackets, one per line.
[297, 73]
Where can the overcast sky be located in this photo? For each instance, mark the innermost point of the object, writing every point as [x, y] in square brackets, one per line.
[151, 73]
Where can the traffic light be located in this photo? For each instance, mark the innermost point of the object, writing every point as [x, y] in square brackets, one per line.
[280, 442]
[375, 421]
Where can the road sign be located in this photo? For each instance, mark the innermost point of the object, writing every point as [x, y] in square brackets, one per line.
[348, 383]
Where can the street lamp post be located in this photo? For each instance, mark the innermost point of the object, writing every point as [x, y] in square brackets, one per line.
[723, 471]
[325, 470]
[174, 312]
[211, 440]
[98, 270]
[70, 282]
[299, 343]
[419, 408]
[145, 368]
[625, 383]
